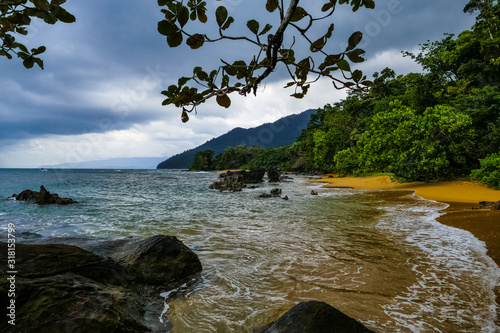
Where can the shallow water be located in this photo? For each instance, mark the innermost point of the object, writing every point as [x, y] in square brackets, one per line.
[379, 257]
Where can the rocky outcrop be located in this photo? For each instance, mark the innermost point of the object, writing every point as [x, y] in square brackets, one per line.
[231, 183]
[159, 260]
[275, 192]
[64, 288]
[314, 317]
[493, 205]
[235, 181]
[43, 197]
[274, 176]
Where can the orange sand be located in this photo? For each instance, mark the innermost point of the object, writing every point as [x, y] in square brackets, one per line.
[462, 196]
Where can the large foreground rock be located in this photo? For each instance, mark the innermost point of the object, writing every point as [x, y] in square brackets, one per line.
[159, 260]
[314, 317]
[43, 197]
[64, 288]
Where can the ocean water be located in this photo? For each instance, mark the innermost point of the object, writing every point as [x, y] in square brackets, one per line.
[380, 257]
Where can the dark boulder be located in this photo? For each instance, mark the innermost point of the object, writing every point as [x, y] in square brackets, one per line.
[235, 181]
[314, 317]
[35, 261]
[230, 182]
[313, 192]
[253, 176]
[64, 288]
[72, 303]
[493, 205]
[43, 197]
[159, 260]
[274, 176]
[276, 192]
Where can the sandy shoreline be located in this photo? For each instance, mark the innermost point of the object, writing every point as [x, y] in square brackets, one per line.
[461, 196]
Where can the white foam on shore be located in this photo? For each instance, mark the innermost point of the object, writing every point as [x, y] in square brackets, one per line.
[455, 276]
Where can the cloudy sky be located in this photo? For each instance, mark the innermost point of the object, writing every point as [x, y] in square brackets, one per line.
[99, 94]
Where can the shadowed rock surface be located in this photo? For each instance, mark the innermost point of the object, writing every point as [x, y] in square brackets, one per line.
[43, 197]
[64, 288]
[235, 181]
[493, 205]
[274, 176]
[314, 317]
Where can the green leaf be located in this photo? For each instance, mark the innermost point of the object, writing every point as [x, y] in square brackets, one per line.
[202, 75]
[29, 62]
[266, 29]
[355, 55]
[63, 16]
[39, 50]
[184, 116]
[369, 4]
[223, 100]
[229, 21]
[175, 39]
[327, 6]
[331, 59]
[183, 80]
[202, 16]
[42, 4]
[166, 28]
[272, 5]
[221, 15]
[344, 65]
[298, 14]
[39, 62]
[183, 16]
[354, 40]
[195, 41]
[253, 26]
[318, 44]
[357, 75]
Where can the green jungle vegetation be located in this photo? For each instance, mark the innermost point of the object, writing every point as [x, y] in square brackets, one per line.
[443, 123]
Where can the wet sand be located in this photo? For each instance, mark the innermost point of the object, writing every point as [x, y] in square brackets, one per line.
[461, 196]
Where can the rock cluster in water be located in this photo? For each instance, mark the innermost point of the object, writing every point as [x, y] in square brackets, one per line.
[43, 197]
[493, 205]
[314, 317]
[235, 181]
[64, 288]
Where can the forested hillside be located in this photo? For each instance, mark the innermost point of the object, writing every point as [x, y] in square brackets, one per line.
[438, 124]
[282, 132]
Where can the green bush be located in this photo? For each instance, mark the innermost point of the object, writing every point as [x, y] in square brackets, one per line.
[489, 172]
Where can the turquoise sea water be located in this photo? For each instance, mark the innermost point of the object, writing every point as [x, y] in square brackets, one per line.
[379, 257]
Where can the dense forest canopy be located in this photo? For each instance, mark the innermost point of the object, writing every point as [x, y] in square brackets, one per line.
[438, 124]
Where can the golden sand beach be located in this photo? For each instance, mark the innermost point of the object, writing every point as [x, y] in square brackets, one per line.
[462, 196]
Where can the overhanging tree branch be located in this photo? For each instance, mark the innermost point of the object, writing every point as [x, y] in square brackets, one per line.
[250, 74]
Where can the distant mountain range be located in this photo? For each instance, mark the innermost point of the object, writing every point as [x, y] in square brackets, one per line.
[282, 132]
[114, 163]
